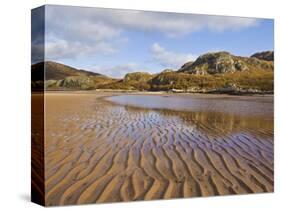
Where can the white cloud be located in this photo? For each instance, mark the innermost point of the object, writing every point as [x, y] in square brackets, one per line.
[75, 31]
[169, 59]
[177, 24]
[62, 49]
[71, 32]
[171, 24]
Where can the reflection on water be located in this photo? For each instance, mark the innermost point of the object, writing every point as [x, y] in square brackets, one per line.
[258, 106]
[210, 116]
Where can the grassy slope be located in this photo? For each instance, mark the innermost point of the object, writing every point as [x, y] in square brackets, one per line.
[259, 75]
[255, 79]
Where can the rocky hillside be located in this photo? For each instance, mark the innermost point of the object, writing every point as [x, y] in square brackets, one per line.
[131, 81]
[59, 76]
[219, 72]
[137, 76]
[56, 71]
[267, 55]
[224, 62]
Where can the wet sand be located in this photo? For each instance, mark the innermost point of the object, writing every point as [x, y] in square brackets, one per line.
[100, 151]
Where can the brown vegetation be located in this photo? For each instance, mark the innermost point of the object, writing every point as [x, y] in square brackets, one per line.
[210, 72]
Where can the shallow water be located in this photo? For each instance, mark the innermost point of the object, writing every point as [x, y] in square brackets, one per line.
[212, 116]
[250, 106]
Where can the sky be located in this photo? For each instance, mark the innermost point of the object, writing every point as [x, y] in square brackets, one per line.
[115, 42]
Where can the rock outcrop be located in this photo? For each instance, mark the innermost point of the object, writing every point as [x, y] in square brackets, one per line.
[267, 55]
[222, 62]
[137, 76]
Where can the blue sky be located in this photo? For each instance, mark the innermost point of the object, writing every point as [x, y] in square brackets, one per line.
[115, 42]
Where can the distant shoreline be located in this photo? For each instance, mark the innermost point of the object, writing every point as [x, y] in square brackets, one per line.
[257, 97]
[158, 92]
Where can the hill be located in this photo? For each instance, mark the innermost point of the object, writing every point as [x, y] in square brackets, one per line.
[218, 72]
[56, 71]
[59, 76]
[224, 62]
[131, 81]
[267, 55]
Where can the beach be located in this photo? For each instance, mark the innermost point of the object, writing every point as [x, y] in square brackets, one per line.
[99, 148]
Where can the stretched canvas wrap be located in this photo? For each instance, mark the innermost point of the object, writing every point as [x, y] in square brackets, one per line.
[137, 105]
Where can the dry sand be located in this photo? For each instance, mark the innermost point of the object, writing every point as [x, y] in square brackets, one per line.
[97, 151]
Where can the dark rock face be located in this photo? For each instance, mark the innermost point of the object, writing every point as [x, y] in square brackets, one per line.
[267, 55]
[186, 65]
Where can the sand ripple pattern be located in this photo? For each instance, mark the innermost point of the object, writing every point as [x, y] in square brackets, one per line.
[99, 152]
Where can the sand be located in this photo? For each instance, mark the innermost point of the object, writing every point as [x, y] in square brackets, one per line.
[97, 151]
[37, 147]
